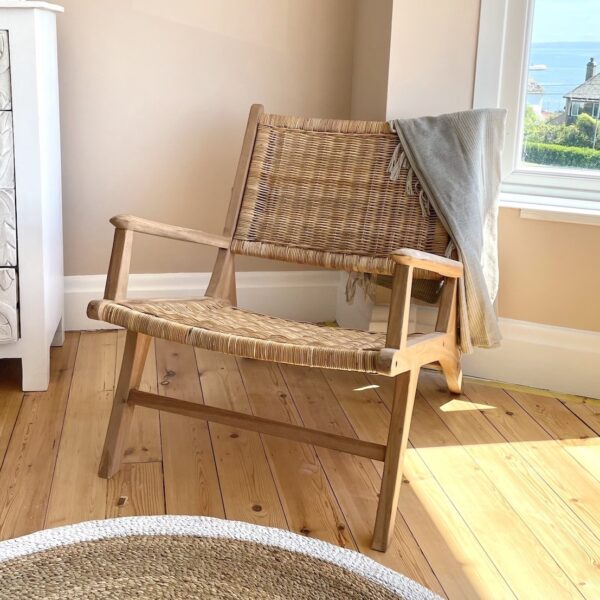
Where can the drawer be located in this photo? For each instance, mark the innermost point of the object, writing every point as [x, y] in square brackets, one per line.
[7, 162]
[8, 229]
[5, 95]
[8, 306]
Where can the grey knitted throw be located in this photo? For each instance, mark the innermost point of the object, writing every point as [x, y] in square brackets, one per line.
[456, 158]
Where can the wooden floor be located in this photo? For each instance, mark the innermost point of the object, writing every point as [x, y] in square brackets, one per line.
[502, 489]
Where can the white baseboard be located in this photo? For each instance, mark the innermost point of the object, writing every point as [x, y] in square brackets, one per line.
[300, 295]
[532, 354]
[542, 356]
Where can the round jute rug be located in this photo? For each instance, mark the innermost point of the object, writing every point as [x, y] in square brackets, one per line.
[190, 557]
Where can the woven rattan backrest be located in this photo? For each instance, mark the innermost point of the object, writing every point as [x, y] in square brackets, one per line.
[318, 192]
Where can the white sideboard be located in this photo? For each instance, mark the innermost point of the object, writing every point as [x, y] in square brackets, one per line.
[31, 259]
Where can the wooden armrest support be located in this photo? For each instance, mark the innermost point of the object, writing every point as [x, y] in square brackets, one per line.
[407, 260]
[429, 262]
[174, 232]
[118, 270]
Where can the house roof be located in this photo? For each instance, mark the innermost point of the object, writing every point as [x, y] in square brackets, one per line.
[588, 90]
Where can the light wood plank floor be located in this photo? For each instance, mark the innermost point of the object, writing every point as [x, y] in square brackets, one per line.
[501, 497]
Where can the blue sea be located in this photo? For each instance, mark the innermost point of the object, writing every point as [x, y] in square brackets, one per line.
[566, 62]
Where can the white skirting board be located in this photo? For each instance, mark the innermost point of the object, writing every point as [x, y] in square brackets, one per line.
[542, 356]
[533, 354]
[300, 295]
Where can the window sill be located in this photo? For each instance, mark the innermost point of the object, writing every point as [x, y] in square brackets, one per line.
[561, 210]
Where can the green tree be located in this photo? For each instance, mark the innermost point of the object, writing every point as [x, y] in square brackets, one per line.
[531, 119]
[574, 145]
[588, 126]
[581, 134]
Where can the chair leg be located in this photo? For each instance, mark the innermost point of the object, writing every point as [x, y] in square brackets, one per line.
[404, 398]
[446, 322]
[132, 366]
[453, 373]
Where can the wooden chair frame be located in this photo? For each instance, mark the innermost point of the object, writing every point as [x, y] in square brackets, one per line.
[402, 357]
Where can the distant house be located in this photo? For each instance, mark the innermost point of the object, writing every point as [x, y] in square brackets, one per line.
[585, 98]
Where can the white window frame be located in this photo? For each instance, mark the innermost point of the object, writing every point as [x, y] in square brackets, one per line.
[501, 77]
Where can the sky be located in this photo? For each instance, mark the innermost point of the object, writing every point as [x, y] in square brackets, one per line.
[566, 21]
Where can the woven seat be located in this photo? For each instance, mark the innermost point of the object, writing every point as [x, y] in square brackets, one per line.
[314, 192]
[214, 324]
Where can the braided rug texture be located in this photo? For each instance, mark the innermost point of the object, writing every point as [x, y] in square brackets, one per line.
[190, 557]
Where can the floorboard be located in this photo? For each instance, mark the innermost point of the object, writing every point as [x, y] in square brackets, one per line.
[137, 489]
[28, 469]
[78, 494]
[574, 485]
[588, 410]
[566, 538]
[573, 434]
[12, 398]
[191, 480]
[308, 500]
[247, 485]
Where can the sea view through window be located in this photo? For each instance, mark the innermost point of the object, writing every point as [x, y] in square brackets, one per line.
[561, 127]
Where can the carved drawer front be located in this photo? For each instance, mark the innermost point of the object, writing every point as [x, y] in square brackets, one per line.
[7, 165]
[5, 96]
[8, 306]
[8, 229]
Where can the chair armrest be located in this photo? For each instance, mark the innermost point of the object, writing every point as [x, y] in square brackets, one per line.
[120, 258]
[174, 232]
[407, 260]
[429, 262]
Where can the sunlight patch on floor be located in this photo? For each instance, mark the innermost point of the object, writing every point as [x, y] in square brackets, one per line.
[457, 405]
[585, 442]
[366, 387]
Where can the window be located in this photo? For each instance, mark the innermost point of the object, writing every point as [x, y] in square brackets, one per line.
[539, 59]
[575, 108]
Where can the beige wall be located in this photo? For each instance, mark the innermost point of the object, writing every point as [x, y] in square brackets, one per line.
[548, 271]
[154, 98]
[432, 56]
[372, 24]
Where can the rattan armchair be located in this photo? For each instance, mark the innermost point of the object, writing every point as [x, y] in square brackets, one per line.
[315, 192]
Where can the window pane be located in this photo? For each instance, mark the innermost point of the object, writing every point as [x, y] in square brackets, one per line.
[562, 115]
